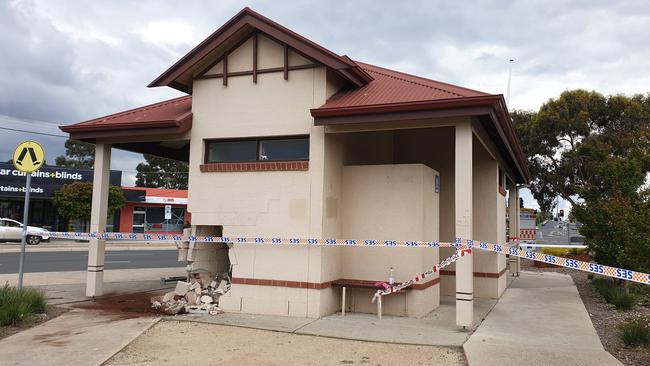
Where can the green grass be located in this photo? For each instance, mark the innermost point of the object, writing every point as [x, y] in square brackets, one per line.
[635, 332]
[18, 305]
[614, 294]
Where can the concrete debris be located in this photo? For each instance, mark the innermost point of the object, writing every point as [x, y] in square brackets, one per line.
[181, 288]
[200, 295]
[205, 299]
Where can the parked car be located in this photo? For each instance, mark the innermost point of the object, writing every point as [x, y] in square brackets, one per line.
[12, 230]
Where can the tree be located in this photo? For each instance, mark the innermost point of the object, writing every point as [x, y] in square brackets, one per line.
[157, 172]
[74, 200]
[557, 139]
[78, 154]
[594, 151]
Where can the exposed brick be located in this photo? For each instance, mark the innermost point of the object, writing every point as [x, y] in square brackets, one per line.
[256, 166]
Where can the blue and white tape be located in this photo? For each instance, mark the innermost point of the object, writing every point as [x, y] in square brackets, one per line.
[620, 273]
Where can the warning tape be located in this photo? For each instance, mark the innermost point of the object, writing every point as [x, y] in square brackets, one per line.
[460, 252]
[620, 273]
[248, 240]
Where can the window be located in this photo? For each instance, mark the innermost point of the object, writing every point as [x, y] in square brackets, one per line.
[280, 149]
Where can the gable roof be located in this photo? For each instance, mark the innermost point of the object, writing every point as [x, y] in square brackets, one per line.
[244, 22]
[393, 87]
[170, 116]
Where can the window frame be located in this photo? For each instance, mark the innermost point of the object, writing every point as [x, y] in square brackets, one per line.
[207, 142]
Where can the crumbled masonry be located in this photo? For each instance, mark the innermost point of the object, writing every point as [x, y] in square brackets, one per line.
[198, 296]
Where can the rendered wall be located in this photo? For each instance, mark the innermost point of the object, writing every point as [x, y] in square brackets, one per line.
[277, 203]
[390, 202]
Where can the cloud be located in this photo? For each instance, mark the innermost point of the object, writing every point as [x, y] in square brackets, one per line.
[66, 61]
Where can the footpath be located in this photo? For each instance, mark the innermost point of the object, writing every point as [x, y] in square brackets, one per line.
[540, 320]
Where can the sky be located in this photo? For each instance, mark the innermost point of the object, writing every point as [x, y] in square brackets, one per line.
[68, 61]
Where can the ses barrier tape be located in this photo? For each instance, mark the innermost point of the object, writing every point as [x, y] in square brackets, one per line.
[460, 252]
[620, 273]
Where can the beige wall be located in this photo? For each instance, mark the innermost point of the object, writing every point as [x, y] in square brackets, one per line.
[285, 203]
[489, 221]
[390, 202]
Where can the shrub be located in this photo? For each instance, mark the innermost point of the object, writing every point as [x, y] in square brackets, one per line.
[623, 301]
[614, 294]
[635, 332]
[564, 252]
[16, 305]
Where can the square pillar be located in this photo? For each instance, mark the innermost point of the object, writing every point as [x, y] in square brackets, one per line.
[98, 216]
[513, 213]
[463, 220]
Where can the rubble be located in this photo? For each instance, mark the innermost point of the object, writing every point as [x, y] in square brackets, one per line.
[200, 295]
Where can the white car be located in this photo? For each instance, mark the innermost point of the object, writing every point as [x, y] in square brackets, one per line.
[12, 230]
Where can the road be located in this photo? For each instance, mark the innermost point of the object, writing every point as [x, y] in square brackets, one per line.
[552, 233]
[77, 260]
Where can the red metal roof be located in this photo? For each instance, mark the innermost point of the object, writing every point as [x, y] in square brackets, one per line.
[171, 112]
[391, 87]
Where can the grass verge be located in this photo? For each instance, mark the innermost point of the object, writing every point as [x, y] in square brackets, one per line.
[18, 305]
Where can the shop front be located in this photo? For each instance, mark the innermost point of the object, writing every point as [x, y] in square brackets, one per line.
[154, 210]
[45, 182]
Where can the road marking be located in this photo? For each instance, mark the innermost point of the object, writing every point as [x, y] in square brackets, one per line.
[117, 262]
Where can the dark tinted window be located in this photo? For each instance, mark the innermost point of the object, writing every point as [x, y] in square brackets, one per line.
[223, 151]
[287, 149]
[258, 150]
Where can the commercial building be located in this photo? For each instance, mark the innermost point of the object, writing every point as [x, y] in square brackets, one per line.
[285, 138]
[144, 210]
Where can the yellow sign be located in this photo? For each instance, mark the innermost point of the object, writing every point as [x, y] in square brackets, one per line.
[29, 156]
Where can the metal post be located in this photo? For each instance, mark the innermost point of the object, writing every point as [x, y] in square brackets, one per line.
[23, 240]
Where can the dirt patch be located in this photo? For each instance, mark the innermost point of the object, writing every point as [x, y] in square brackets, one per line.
[123, 306]
[32, 321]
[187, 343]
[605, 318]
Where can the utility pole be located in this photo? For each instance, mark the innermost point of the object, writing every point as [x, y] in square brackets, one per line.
[509, 79]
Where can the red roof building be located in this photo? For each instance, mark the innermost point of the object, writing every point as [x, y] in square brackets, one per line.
[285, 138]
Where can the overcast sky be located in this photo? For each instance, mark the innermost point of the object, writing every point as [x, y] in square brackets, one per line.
[68, 61]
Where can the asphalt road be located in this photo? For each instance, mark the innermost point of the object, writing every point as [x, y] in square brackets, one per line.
[77, 260]
[551, 233]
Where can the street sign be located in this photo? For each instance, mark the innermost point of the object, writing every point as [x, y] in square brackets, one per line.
[29, 156]
[168, 212]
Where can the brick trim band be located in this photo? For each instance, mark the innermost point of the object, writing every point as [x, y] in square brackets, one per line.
[255, 166]
[476, 274]
[322, 285]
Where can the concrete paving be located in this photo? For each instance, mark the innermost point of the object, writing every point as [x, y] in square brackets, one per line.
[78, 337]
[540, 320]
[436, 329]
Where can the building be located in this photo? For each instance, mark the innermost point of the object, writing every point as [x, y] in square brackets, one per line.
[144, 210]
[45, 182]
[286, 138]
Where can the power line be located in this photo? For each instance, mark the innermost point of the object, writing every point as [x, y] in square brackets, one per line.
[14, 119]
[34, 132]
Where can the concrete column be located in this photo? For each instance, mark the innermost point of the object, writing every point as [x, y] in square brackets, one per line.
[463, 219]
[513, 213]
[98, 215]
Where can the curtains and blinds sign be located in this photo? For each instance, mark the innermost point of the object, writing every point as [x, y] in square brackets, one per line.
[29, 156]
